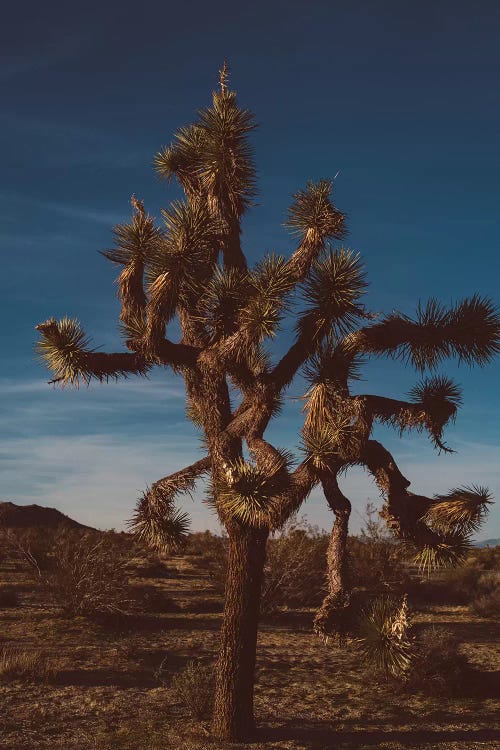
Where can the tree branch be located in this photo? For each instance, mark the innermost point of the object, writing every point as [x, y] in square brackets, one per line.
[329, 617]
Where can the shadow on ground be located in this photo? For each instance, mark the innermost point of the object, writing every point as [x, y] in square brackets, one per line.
[324, 737]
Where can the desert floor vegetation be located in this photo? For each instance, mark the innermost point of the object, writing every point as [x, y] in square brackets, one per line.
[140, 679]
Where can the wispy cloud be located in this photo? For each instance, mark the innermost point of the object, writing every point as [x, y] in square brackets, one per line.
[96, 215]
[97, 478]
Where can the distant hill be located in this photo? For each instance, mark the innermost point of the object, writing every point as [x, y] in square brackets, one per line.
[488, 543]
[15, 516]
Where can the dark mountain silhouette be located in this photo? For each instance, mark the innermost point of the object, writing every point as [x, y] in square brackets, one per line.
[28, 516]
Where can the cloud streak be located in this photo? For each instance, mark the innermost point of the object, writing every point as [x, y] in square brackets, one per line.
[97, 478]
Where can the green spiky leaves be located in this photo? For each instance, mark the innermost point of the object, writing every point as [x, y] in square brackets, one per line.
[223, 298]
[333, 364]
[452, 518]
[313, 216]
[134, 241]
[383, 636]
[269, 284]
[332, 293]
[470, 330]
[213, 159]
[250, 494]
[462, 510]
[156, 521]
[64, 349]
[439, 397]
[447, 551]
[158, 524]
[181, 264]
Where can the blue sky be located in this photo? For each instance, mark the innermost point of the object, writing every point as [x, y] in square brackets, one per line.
[401, 99]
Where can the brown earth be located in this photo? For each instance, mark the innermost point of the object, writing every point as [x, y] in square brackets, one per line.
[113, 687]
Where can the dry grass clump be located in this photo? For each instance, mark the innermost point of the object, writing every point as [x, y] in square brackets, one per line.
[486, 602]
[26, 666]
[195, 687]
[438, 667]
[88, 575]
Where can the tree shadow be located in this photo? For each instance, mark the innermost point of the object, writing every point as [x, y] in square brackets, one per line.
[150, 669]
[316, 736]
[125, 624]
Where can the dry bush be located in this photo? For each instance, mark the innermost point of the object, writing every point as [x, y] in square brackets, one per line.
[459, 585]
[88, 574]
[438, 666]
[26, 666]
[195, 687]
[201, 543]
[8, 597]
[486, 601]
[295, 570]
[378, 562]
[30, 545]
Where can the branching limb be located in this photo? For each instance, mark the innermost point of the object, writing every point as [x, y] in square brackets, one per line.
[470, 330]
[435, 403]
[439, 527]
[134, 242]
[331, 617]
[64, 349]
[156, 521]
[332, 290]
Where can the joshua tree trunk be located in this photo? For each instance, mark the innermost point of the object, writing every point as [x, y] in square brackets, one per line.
[233, 712]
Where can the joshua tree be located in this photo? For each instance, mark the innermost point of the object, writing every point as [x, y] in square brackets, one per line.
[193, 268]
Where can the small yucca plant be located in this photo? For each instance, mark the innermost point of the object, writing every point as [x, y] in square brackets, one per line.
[384, 640]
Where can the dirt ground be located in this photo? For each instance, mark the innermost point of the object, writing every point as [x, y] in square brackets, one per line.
[113, 685]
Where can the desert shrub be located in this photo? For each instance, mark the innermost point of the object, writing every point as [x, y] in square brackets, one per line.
[438, 666]
[295, 570]
[195, 688]
[30, 545]
[8, 597]
[458, 585]
[378, 562]
[26, 666]
[486, 601]
[201, 543]
[294, 574]
[88, 575]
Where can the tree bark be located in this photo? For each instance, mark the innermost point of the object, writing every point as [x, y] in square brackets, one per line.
[234, 692]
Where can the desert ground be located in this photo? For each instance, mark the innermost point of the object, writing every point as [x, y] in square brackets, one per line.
[111, 681]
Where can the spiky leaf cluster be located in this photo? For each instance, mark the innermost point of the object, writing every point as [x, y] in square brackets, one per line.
[251, 494]
[158, 524]
[446, 551]
[470, 330]
[462, 510]
[383, 638]
[268, 287]
[65, 350]
[223, 298]
[333, 363]
[312, 215]
[212, 157]
[332, 291]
